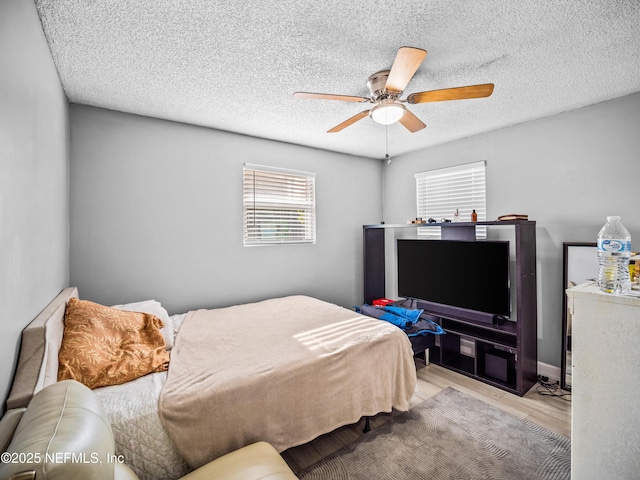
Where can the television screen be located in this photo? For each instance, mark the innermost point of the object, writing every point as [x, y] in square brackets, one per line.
[471, 275]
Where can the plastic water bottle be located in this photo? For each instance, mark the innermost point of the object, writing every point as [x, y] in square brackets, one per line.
[614, 251]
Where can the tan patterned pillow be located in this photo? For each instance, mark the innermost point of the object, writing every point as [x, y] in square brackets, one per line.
[105, 346]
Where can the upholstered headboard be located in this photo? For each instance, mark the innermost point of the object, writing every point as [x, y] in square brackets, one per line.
[38, 360]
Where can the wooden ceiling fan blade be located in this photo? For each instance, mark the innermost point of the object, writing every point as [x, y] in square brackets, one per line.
[411, 122]
[329, 96]
[457, 93]
[407, 61]
[349, 121]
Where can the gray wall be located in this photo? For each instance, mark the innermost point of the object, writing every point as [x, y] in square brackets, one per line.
[34, 178]
[156, 212]
[567, 172]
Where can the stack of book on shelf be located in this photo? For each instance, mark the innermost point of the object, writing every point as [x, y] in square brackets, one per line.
[513, 216]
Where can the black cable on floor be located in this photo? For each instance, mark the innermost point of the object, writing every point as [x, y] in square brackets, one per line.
[552, 389]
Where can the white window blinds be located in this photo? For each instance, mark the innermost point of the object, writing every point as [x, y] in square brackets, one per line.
[440, 192]
[278, 206]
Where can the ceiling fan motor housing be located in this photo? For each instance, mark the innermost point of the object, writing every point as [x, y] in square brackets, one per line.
[377, 83]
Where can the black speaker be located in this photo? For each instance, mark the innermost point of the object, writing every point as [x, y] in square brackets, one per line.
[499, 364]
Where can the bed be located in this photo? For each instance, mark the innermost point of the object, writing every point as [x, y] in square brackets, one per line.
[283, 370]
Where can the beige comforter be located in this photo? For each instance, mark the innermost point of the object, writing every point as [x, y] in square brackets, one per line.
[283, 370]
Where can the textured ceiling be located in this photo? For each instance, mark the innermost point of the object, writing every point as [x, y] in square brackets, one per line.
[233, 65]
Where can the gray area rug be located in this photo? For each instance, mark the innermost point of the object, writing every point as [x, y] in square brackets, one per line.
[450, 436]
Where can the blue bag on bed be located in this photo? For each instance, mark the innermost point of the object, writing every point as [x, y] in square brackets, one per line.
[410, 314]
[382, 314]
[424, 326]
[406, 319]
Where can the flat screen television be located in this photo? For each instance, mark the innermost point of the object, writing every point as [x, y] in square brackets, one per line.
[464, 274]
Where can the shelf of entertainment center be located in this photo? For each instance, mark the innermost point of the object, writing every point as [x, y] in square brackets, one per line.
[502, 353]
[503, 333]
[460, 363]
[449, 355]
[503, 326]
[504, 223]
[496, 337]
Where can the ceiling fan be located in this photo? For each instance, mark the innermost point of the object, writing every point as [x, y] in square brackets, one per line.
[386, 88]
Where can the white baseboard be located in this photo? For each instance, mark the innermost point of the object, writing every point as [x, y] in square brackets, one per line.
[546, 370]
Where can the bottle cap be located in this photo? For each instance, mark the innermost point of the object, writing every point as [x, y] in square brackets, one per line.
[609, 219]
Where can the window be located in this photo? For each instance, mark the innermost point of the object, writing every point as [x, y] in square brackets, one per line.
[440, 192]
[279, 206]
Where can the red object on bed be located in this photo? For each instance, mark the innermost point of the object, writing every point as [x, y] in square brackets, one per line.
[382, 302]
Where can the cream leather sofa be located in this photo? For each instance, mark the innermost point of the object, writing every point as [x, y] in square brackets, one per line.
[64, 434]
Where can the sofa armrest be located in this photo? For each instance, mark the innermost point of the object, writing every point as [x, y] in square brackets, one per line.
[258, 461]
[8, 426]
[63, 435]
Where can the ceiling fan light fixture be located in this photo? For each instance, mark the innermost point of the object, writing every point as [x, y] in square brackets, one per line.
[387, 112]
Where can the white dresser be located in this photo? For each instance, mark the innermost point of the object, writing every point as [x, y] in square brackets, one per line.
[605, 423]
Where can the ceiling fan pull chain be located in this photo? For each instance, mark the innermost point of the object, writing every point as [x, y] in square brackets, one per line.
[386, 134]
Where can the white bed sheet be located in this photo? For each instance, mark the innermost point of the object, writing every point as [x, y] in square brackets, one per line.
[139, 435]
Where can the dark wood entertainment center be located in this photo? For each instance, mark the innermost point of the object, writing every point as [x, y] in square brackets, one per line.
[506, 352]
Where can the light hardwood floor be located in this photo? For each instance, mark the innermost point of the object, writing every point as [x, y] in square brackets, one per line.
[551, 412]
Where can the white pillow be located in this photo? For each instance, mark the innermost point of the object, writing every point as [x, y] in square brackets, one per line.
[154, 308]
